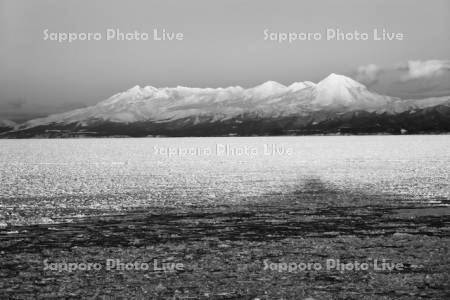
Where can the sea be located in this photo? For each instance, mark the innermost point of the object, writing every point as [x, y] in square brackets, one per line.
[118, 173]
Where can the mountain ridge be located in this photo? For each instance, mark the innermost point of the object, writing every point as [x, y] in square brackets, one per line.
[182, 108]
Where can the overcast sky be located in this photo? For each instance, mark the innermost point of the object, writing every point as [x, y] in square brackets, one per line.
[223, 45]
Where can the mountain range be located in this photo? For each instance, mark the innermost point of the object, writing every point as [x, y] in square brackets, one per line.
[337, 104]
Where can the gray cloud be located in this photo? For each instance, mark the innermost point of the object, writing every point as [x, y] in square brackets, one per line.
[417, 69]
[368, 74]
[411, 79]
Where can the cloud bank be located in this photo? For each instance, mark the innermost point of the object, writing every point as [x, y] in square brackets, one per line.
[416, 69]
[411, 79]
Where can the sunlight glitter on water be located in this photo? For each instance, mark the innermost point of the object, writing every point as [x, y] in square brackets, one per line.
[414, 166]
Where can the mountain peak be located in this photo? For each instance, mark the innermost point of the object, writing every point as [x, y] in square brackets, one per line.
[268, 88]
[339, 80]
[134, 88]
[271, 84]
[135, 93]
[296, 86]
[341, 91]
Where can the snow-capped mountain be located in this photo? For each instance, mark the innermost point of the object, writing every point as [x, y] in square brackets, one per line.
[160, 110]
